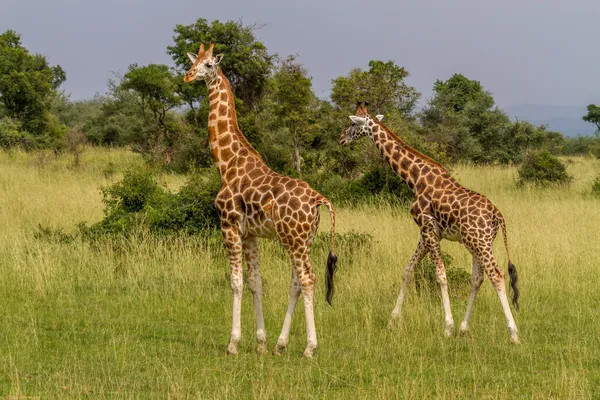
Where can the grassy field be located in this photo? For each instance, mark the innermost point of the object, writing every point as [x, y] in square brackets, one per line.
[78, 321]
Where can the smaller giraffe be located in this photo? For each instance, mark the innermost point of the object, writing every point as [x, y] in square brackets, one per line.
[256, 202]
[443, 209]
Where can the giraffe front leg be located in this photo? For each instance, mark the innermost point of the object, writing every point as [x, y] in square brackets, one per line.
[476, 281]
[233, 242]
[433, 245]
[255, 285]
[420, 252]
[295, 290]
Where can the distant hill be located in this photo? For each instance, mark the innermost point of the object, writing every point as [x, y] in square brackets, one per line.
[564, 119]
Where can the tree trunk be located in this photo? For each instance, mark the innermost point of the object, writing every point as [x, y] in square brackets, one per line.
[297, 165]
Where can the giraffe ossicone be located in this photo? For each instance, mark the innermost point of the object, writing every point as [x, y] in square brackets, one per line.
[254, 202]
[443, 209]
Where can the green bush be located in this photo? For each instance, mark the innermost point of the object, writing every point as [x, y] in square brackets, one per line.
[596, 187]
[139, 202]
[542, 168]
[377, 184]
[12, 134]
[459, 280]
[384, 182]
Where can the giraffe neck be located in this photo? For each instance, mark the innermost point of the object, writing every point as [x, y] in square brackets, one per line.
[410, 164]
[226, 140]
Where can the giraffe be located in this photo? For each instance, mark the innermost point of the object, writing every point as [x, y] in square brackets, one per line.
[443, 209]
[256, 202]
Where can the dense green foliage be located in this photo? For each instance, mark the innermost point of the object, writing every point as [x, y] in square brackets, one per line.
[28, 85]
[139, 202]
[463, 118]
[543, 168]
[382, 85]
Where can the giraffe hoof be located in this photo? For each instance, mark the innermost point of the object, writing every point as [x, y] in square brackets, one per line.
[464, 329]
[393, 322]
[448, 331]
[278, 350]
[308, 353]
[261, 348]
[515, 340]
[232, 350]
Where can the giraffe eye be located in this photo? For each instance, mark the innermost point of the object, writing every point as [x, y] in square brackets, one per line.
[353, 123]
[209, 65]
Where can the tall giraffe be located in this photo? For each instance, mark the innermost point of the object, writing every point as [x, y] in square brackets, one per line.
[443, 209]
[254, 202]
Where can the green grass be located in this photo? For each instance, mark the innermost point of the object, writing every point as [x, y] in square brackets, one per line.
[78, 321]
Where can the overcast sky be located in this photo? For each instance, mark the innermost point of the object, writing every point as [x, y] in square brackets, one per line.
[523, 51]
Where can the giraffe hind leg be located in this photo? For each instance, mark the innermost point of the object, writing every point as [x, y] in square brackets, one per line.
[250, 246]
[295, 290]
[432, 242]
[496, 275]
[476, 281]
[418, 255]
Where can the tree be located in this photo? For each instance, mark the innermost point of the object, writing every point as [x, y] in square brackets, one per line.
[27, 86]
[382, 86]
[247, 63]
[593, 116]
[463, 117]
[154, 89]
[456, 92]
[293, 96]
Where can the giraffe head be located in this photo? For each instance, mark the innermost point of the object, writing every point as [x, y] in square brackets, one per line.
[361, 125]
[204, 65]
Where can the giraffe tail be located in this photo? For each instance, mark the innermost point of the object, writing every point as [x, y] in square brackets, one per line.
[512, 270]
[331, 258]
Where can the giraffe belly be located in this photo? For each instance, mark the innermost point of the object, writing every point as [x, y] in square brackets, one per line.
[260, 226]
[451, 233]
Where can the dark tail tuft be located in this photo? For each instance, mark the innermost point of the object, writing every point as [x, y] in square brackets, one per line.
[514, 278]
[331, 267]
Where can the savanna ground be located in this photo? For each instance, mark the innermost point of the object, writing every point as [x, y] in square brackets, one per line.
[154, 321]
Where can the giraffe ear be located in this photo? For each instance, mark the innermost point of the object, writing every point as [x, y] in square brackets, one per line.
[218, 58]
[379, 117]
[358, 120]
[192, 57]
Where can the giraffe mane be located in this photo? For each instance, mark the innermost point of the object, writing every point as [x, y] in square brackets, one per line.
[236, 129]
[407, 147]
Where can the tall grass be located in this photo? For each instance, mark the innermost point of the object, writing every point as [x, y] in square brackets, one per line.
[153, 321]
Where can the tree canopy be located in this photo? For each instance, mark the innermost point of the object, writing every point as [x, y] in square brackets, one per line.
[28, 85]
[382, 85]
[247, 64]
[593, 116]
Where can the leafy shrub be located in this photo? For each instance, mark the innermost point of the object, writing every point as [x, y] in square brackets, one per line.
[459, 280]
[384, 182]
[12, 134]
[596, 187]
[378, 184]
[138, 202]
[542, 168]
